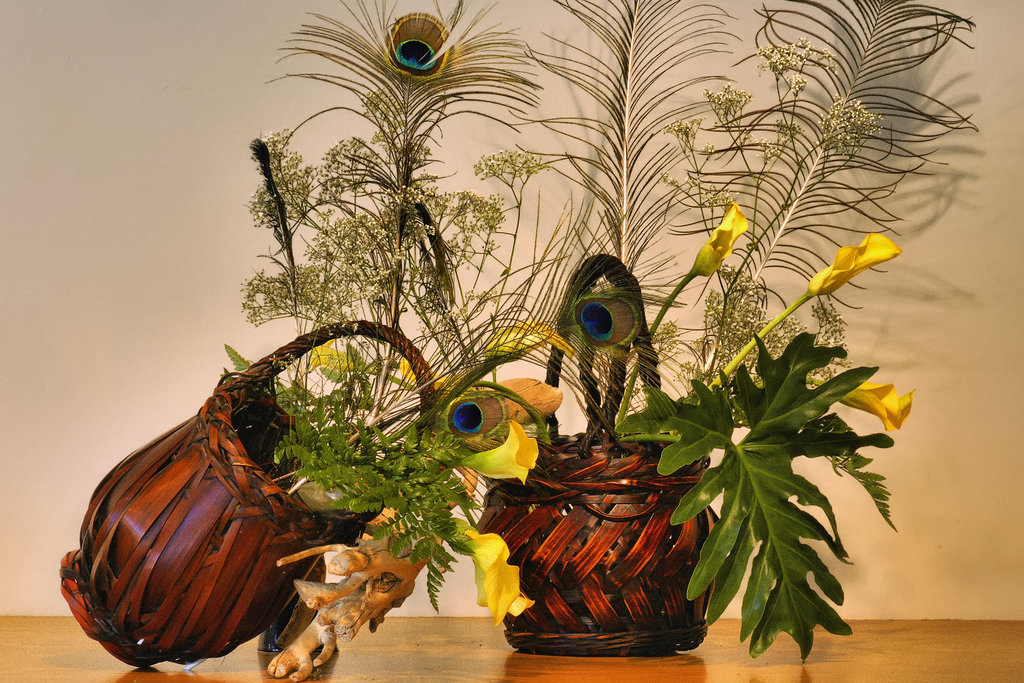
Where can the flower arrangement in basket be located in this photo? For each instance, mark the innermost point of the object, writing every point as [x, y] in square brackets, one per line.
[630, 536]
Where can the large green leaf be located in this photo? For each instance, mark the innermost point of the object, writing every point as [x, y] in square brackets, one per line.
[692, 428]
[785, 404]
[832, 438]
[702, 427]
[766, 525]
[757, 485]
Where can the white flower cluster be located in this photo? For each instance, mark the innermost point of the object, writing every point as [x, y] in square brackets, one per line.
[769, 150]
[846, 125]
[685, 132]
[780, 59]
[796, 83]
[727, 103]
[509, 166]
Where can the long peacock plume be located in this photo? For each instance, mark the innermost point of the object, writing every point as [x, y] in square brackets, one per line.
[846, 125]
[632, 75]
[409, 74]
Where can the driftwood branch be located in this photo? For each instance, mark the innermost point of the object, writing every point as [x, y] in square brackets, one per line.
[373, 582]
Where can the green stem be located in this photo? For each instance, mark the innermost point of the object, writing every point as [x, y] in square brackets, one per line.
[650, 438]
[735, 362]
[670, 300]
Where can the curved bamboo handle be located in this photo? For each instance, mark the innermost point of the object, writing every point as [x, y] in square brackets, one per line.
[270, 366]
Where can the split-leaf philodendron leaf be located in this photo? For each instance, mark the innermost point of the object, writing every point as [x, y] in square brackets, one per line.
[764, 502]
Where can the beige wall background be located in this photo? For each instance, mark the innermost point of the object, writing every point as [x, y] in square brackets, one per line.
[124, 177]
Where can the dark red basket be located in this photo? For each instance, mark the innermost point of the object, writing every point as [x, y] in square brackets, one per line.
[597, 553]
[180, 541]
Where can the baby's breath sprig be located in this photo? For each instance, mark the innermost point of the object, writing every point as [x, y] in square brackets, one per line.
[786, 60]
[846, 125]
[685, 132]
[727, 103]
[513, 168]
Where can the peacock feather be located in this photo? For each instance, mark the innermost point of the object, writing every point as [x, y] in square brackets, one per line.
[406, 76]
[632, 72]
[848, 118]
[425, 66]
[418, 44]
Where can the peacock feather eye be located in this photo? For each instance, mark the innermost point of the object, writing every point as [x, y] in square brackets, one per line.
[596, 320]
[607, 320]
[467, 417]
[417, 41]
[476, 415]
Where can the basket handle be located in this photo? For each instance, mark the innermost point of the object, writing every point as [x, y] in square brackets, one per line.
[265, 369]
[601, 412]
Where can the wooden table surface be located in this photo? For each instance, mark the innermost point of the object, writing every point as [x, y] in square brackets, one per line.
[446, 649]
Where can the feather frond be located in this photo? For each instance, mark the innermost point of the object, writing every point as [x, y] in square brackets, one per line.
[635, 77]
[848, 124]
[482, 68]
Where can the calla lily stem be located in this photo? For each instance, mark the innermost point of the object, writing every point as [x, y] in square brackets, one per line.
[735, 362]
[671, 298]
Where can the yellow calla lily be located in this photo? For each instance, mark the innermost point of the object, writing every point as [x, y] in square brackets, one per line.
[497, 581]
[326, 356]
[514, 458]
[882, 401]
[405, 370]
[719, 245]
[850, 261]
[525, 337]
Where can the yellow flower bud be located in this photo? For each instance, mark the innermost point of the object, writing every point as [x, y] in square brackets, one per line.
[882, 401]
[409, 377]
[405, 370]
[850, 261]
[719, 245]
[525, 337]
[326, 356]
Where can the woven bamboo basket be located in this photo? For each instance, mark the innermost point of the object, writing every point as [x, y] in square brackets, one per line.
[592, 537]
[180, 541]
[590, 530]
